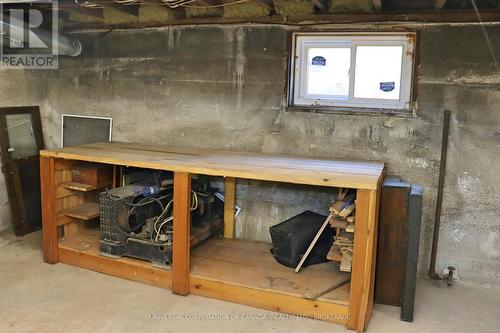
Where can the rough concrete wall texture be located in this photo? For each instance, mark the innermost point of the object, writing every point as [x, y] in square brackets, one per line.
[224, 87]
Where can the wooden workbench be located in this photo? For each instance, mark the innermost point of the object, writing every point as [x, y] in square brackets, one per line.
[351, 305]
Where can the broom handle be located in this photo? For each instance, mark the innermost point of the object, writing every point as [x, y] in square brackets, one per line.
[309, 249]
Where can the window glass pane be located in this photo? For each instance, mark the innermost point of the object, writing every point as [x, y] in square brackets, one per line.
[378, 72]
[328, 72]
[21, 137]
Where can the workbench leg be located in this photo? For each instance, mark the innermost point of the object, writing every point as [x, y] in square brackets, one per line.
[116, 176]
[181, 233]
[48, 200]
[363, 261]
[229, 202]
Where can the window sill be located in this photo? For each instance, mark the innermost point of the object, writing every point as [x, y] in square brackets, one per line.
[350, 111]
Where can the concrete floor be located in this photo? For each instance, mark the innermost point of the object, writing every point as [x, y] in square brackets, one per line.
[37, 297]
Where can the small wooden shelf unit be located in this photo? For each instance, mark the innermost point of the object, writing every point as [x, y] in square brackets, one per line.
[230, 269]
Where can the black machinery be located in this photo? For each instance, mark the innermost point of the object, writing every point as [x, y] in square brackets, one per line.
[136, 220]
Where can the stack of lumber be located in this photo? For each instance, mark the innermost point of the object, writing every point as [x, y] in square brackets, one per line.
[343, 221]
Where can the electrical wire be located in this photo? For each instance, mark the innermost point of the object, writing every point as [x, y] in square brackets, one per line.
[161, 215]
[141, 203]
[171, 218]
[194, 206]
[215, 6]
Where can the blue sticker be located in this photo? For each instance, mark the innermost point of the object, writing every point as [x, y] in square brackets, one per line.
[319, 61]
[387, 86]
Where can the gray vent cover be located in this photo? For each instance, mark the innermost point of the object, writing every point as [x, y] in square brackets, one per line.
[79, 130]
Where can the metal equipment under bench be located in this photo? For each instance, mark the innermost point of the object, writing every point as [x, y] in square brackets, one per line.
[230, 269]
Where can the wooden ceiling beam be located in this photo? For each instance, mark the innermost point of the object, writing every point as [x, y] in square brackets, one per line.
[446, 16]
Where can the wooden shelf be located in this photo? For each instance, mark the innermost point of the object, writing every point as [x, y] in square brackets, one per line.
[82, 250]
[250, 264]
[82, 187]
[84, 212]
[233, 270]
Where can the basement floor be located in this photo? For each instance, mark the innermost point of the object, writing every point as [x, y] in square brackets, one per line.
[37, 297]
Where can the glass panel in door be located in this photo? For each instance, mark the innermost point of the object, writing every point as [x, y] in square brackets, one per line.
[21, 136]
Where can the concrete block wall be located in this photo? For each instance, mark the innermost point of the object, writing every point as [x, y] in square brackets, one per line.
[224, 87]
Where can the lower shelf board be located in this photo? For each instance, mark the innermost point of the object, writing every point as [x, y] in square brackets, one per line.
[86, 212]
[250, 264]
[245, 272]
[233, 270]
[82, 250]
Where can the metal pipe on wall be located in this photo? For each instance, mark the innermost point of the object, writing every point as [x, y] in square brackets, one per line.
[17, 30]
[439, 203]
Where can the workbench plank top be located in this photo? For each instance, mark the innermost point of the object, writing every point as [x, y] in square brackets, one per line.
[280, 168]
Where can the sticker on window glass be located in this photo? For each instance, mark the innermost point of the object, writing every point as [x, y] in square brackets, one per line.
[319, 61]
[387, 86]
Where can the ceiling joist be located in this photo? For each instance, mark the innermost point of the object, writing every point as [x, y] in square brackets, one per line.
[229, 11]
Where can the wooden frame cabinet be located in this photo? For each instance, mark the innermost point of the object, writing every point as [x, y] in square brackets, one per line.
[229, 269]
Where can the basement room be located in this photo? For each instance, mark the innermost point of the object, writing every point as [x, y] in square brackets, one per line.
[250, 166]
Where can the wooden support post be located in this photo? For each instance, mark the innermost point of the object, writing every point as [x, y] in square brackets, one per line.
[116, 176]
[182, 231]
[229, 202]
[363, 261]
[49, 216]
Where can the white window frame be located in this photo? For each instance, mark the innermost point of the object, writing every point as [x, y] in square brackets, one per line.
[298, 80]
